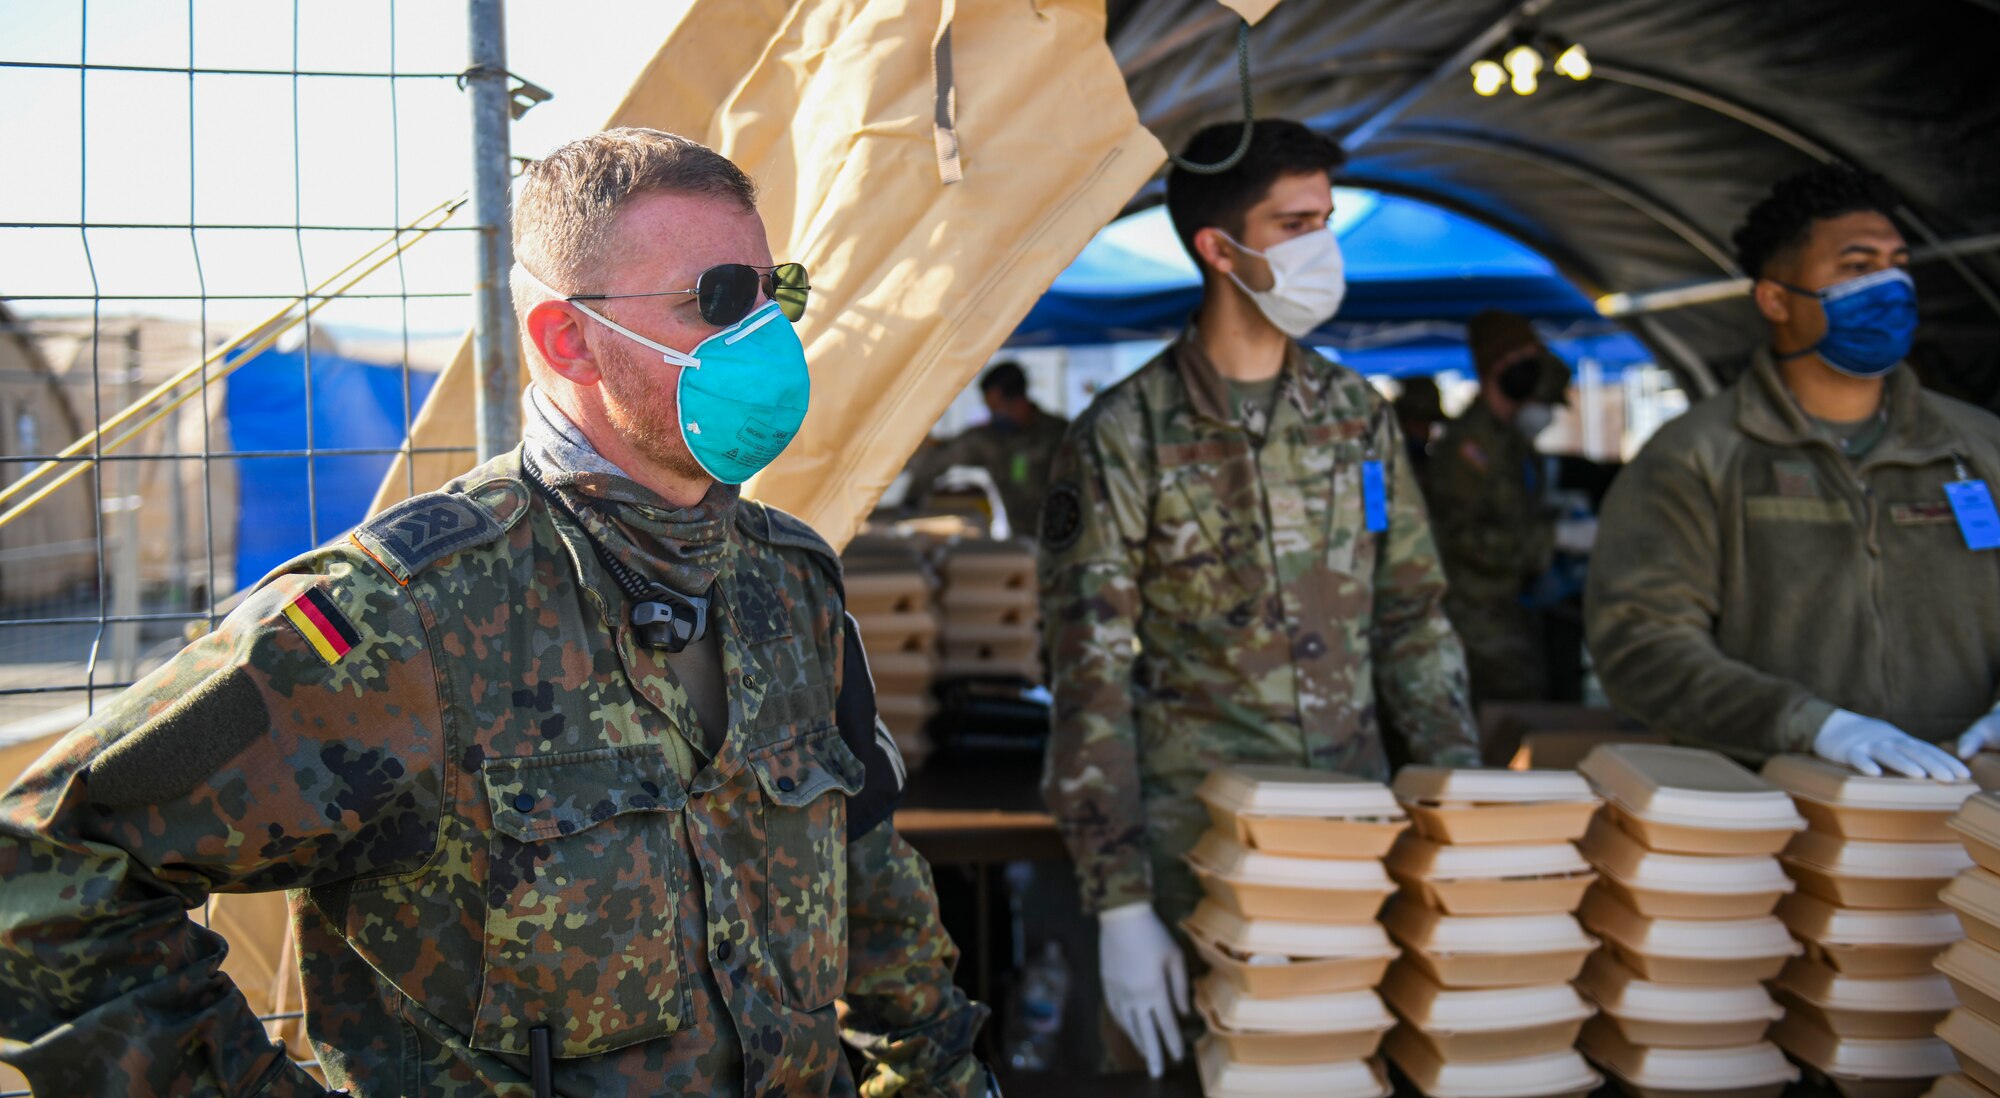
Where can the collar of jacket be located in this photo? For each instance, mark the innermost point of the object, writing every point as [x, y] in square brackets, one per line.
[1208, 390]
[682, 547]
[1766, 410]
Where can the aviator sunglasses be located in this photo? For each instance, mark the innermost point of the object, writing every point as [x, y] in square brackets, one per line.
[727, 292]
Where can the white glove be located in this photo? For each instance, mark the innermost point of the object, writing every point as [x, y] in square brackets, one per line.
[1576, 536]
[1145, 980]
[1868, 745]
[1984, 735]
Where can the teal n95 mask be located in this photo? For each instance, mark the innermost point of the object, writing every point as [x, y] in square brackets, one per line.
[743, 392]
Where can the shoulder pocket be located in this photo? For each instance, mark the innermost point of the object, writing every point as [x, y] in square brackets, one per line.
[583, 877]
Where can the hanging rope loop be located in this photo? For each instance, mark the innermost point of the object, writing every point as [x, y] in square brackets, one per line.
[1249, 121]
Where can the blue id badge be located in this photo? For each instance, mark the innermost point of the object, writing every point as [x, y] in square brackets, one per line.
[1972, 502]
[1375, 497]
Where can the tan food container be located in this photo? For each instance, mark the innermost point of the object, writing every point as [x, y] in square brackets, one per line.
[1491, 880]
[1684, 886]
[1271, 886]
[1976, 1039]
[1974, 972]
[1310, 1029]
[1859, 942]
[1691, 951]
[1684, 800]
[1858, 1006]
[1481, 807]
[1756, 1070]
[1858, 873]
[902, 631]
[1677, 1015]
[1975, 897]
[1222, 1077]
[1957, 1086]
[1318, 958]
[1557, 1074]
[1846, 802]
[1489, 950]
[1303, 813]
[1977, 825]
[1861, 1067]
[1489, 1024]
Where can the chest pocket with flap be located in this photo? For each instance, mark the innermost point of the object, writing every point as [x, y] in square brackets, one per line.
[583, 879]
[805, 783]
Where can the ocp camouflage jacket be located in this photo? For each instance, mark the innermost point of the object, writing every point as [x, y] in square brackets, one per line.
[496, 813]
[1211, 595]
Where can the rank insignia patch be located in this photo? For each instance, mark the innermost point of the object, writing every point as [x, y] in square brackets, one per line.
[322, 625]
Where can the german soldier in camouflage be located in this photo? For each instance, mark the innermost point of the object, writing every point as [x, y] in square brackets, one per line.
[1236, 568]
[533, 819]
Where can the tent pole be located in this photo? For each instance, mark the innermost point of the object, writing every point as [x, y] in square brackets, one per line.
[496, 343]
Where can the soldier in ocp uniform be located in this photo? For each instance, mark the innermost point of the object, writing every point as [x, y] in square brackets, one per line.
[1236, 568]
[1491, 506]
[573, 766]
[1015, 446]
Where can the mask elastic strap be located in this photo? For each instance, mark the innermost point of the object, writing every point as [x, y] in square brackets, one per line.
[672, 357]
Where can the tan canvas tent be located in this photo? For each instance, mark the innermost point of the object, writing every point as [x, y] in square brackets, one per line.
[833, 106]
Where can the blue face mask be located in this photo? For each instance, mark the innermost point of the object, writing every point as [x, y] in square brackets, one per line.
[743, 391]
[1870, 322]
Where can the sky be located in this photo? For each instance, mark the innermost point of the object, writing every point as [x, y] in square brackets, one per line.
[161, 148]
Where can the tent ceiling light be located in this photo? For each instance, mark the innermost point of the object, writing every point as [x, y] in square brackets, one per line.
[1521, 63]
[1488, 77]
[1573, 63]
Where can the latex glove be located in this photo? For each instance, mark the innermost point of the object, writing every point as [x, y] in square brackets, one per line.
[1575, 536]
[1868, 745]
[1984, 735]
[1145, 981]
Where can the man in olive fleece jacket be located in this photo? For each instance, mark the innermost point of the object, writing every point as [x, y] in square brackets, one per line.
[1781, 569]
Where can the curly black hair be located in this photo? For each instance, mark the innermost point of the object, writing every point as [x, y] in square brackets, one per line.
[1278, 147]
[1783, 219]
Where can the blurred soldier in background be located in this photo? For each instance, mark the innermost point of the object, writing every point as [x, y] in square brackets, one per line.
[1236, 568]
[1490, 504]
[1015, 446]
[1420, 412]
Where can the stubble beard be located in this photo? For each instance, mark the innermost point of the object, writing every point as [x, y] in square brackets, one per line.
[646, 413]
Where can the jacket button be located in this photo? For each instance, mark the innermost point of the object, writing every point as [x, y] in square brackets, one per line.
[786, 785]
[523, 803]
[724, 950]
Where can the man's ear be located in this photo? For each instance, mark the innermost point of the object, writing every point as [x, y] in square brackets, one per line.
[556, 329]
[1214, 250]
[1773, 301]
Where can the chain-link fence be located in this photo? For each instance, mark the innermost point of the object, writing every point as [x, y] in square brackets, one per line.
[238, 241]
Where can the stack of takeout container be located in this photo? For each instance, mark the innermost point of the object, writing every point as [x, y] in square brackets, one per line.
[1490, 880]
[1973, 965]
[989, 602]
[1292, 868]
[1686, 851]
[889, 594]
[1863, 1004]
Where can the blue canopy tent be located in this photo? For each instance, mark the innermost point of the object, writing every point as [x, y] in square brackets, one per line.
[1416, 273]
[355, 406]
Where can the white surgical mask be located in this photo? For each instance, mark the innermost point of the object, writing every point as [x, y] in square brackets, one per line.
[1533, 419]
[1308, 281]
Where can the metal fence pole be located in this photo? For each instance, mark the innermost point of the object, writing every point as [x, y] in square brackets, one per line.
[495, 342]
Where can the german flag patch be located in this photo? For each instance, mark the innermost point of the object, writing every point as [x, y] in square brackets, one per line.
[322, 624]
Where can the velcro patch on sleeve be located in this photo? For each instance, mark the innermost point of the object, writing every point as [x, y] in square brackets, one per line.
[322, 625]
